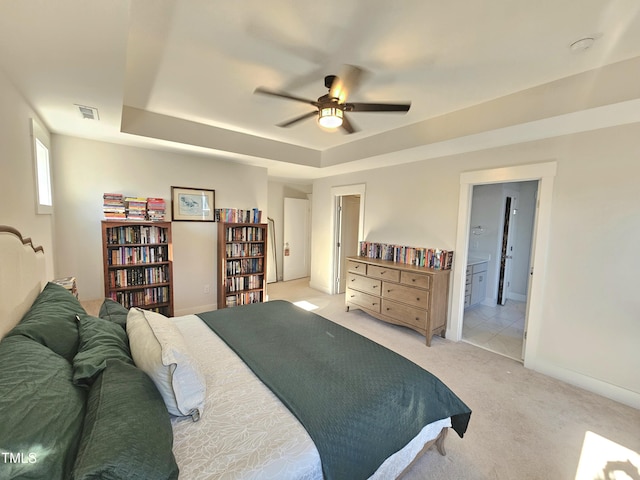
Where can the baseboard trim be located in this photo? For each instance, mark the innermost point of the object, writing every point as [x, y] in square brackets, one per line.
[608, 390]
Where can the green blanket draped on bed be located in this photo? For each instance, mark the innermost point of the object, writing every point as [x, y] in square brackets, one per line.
[359, 401]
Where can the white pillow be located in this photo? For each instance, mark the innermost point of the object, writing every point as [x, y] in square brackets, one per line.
[158, 349]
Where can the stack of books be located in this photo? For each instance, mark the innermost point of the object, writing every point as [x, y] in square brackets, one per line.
[156, 209]
[113, 206]
[237, 215]
[69, 283]
[136, 208]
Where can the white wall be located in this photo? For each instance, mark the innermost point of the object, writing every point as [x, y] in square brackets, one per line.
[590, 326]
[85, 169]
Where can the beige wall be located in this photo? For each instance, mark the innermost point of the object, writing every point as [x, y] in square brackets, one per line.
[17, 172]
[85, 169]
[590, 326]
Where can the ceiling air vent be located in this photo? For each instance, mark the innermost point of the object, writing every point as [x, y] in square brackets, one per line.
[88, 113]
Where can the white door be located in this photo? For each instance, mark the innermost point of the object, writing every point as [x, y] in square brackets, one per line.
[295, 260]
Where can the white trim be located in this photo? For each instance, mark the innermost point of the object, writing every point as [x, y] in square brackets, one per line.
[545, 173]
[356, 189]
[39, 134]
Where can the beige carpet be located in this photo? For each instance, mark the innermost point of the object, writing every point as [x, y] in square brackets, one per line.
[524, 425]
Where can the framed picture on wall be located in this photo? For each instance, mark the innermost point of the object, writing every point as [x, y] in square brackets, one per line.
[192, 204]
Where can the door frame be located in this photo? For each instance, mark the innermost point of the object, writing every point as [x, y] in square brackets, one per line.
[336, 193]
[545, 174]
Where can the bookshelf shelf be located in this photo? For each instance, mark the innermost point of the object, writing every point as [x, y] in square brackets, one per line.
[242, 263]
[138, 264]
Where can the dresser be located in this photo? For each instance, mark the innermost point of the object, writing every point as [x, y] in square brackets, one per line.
[414, 297]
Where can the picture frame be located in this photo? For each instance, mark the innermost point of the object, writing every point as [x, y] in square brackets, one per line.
[192, 204]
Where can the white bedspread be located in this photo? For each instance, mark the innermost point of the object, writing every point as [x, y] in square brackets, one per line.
[245, 431]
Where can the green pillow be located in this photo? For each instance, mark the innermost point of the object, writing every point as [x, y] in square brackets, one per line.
[51, 321]
[41, 411]
[100, 340]
[114, 312]
[127, 432]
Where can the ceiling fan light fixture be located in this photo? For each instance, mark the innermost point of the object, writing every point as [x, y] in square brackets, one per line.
[330, 117]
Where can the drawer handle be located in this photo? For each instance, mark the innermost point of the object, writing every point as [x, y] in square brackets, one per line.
[388, 291]
[375, 286]
[374, 303]
[352, 296]
[383, 272]
[418, 299]
[353, 279]
[413, 279]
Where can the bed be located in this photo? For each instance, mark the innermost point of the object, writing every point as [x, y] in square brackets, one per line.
[133, 394]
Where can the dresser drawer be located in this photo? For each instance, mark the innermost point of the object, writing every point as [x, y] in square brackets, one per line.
[404, 313]
[413, 296]
[364, 284]
[415, 280]
[356, 267]
[383, 273]
[363, 300]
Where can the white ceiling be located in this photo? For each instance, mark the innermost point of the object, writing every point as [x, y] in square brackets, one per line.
[180, 74]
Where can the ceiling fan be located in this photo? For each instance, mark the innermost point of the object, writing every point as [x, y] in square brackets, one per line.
[331, 107]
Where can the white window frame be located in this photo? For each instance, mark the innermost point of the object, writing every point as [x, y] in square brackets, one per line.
[41, 148]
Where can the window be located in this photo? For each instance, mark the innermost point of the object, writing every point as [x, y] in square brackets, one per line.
[42, 162]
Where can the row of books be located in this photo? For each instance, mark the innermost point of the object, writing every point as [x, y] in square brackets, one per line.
[143, 297]
[237, 215]
[238, 284]
[244, 298]
[138, 255]
[422, 257]
[136, 234]
[244, 266]
[245, 234]
[118, 207]
[132, 277]
[235, 250]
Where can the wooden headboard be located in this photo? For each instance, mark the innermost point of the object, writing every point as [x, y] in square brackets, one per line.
[22, 276]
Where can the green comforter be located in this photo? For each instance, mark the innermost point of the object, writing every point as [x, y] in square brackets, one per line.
[359, 401]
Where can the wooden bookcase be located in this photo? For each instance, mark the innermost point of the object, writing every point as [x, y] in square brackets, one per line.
[242, 263]
[138, 264]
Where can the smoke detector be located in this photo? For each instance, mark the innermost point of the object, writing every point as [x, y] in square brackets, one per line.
[584, 43]
[88, 113]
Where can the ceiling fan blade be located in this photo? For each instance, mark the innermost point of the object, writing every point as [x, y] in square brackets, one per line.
[347, 126]
[274, 93]
[377, 107]
[297, 119]
[345, 83]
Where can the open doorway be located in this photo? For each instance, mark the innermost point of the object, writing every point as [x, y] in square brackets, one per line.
[348, 228]
[545, 174]
[498, 262]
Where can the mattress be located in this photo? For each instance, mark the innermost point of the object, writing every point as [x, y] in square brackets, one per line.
[245, 431]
